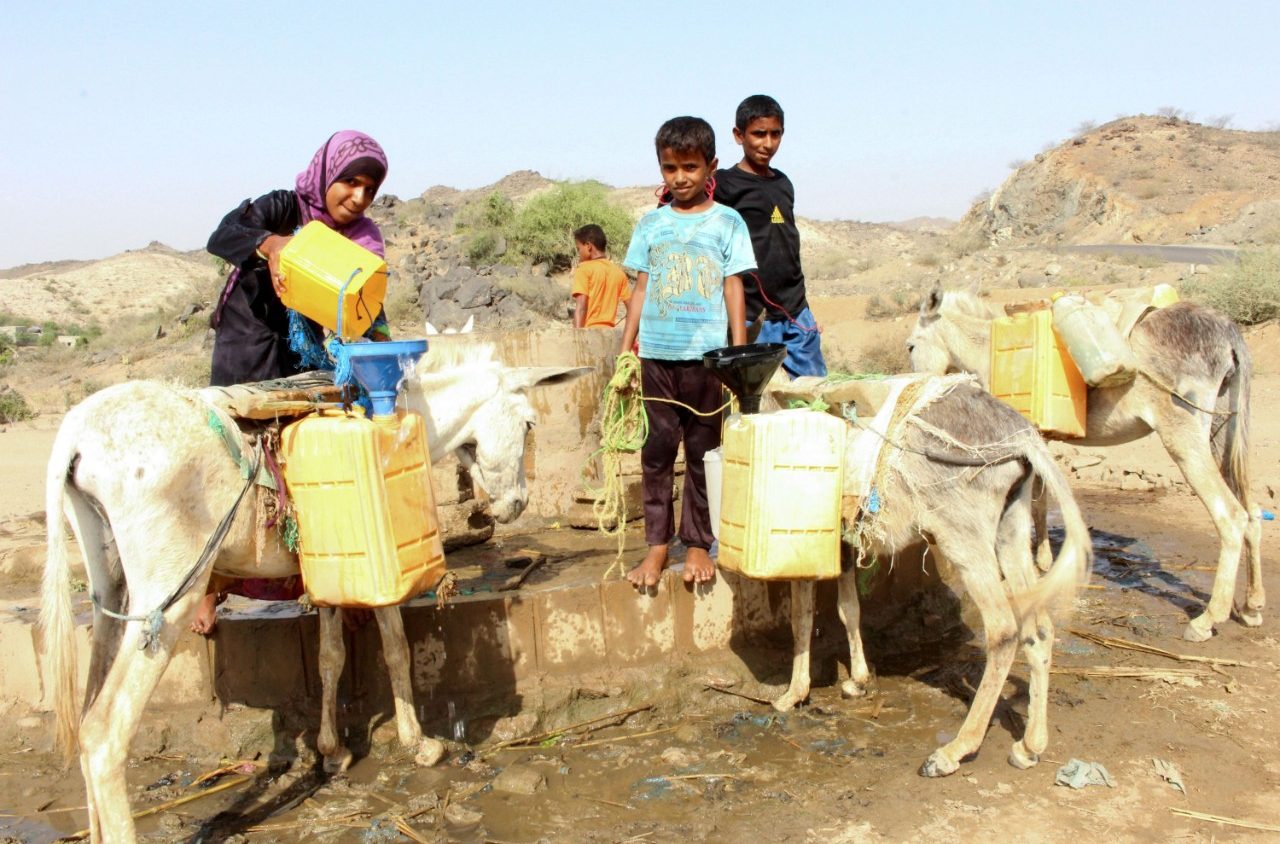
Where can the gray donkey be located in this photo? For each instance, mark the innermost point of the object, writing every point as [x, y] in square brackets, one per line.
[1192, 389]
[957, 473]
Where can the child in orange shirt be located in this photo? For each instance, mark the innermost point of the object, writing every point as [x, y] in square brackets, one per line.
[598, 283]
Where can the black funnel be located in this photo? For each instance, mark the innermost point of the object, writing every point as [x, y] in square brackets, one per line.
[745, 370]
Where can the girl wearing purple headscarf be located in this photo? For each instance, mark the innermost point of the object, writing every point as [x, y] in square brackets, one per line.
[251, 324]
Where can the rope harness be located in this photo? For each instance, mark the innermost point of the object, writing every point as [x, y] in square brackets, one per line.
[154, 620]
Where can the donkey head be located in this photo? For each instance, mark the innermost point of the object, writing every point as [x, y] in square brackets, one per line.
[494, 451]
[925, 344]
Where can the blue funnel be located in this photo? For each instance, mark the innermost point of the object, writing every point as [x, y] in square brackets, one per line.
[379, 367]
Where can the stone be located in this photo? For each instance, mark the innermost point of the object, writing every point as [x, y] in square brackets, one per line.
[514, 726]
[1136, 483]
[461, 816]
[465, 523]
[679, 757]
[190, 311]
[1053, 269]
[475, 293]
[518, 779]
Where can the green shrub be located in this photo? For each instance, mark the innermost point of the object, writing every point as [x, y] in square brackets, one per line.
[542, 231]
[1247, 290]
[13, 407]
[483, 247]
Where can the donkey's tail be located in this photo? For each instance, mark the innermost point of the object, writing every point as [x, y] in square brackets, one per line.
[1231, 439]
[1070, 570]
[56, 622]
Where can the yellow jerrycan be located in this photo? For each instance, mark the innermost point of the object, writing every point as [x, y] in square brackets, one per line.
[1032, 373]
[362, 491]
[332, 280]
[782, 478]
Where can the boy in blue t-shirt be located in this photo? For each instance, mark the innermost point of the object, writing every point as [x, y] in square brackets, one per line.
[689, 257]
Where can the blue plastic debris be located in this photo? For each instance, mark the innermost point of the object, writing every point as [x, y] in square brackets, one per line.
[651, 788]
[1267, 515]
[873, 501]
[1078, 774]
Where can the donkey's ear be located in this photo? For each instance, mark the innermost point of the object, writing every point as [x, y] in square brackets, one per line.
[470, 325]
[524, 377]
[432, 331]
[932, 301]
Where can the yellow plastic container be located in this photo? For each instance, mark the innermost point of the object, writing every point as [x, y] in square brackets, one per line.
[324, 271]
[1032, 372]
[1164, 295]
[783, 474]
[366, 510]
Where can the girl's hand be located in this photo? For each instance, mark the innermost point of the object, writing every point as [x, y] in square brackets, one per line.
[270, 249]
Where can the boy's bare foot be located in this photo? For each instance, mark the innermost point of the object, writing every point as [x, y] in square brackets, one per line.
[649, 572]
[206, 615]
[698, 567]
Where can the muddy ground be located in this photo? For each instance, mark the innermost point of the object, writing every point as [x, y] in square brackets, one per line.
[706, 766]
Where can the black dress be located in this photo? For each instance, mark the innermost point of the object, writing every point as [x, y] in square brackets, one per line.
[251, 324]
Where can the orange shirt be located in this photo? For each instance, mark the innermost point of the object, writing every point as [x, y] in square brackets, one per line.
[604, 284]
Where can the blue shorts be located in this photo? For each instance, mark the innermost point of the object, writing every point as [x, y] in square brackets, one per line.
[803, 342]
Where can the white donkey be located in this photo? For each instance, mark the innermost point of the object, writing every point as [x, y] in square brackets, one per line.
[1192, 389]
[137, 470]
[959, 472]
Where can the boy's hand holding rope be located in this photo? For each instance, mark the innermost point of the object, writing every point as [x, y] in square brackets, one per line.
[624, 426]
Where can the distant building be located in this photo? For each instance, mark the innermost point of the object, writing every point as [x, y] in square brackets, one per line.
[12, 331]
[71, 340]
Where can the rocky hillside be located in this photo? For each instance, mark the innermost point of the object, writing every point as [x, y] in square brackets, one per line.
[1141, 180]
[132, 285]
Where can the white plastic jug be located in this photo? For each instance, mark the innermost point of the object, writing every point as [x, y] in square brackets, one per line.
[1094, 342]
[713, 465]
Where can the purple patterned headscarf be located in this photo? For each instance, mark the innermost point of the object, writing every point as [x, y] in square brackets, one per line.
[327, 165]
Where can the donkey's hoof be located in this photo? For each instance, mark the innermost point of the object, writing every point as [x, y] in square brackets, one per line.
[338, 762]
[1021, 758]
[849, 690]
[1249, 618]
[430, 752]
[938, 765]
[1198, 630]
[789, 700]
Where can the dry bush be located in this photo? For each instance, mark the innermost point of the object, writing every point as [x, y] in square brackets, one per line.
[877, 308]
[830, 264]
[1247, 290]
[401, 304]
[892, 304]
[885, 358]
[968, 242]
[13, 407]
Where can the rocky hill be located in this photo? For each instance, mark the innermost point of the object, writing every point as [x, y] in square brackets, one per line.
[1141, 180]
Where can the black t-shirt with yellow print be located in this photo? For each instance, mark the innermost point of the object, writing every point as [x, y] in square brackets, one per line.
[767, 204]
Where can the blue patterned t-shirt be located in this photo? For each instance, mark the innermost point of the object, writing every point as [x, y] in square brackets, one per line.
[687, 257]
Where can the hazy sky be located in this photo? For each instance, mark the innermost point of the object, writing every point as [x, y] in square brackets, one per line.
[136, 121]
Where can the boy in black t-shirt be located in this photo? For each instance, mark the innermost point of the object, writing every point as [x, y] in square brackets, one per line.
[766, 200]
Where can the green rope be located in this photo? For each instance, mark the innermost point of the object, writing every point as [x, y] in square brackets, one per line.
[624, 426]
[289, 533]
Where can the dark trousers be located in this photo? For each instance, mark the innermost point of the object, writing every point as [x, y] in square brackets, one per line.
[693, 384]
